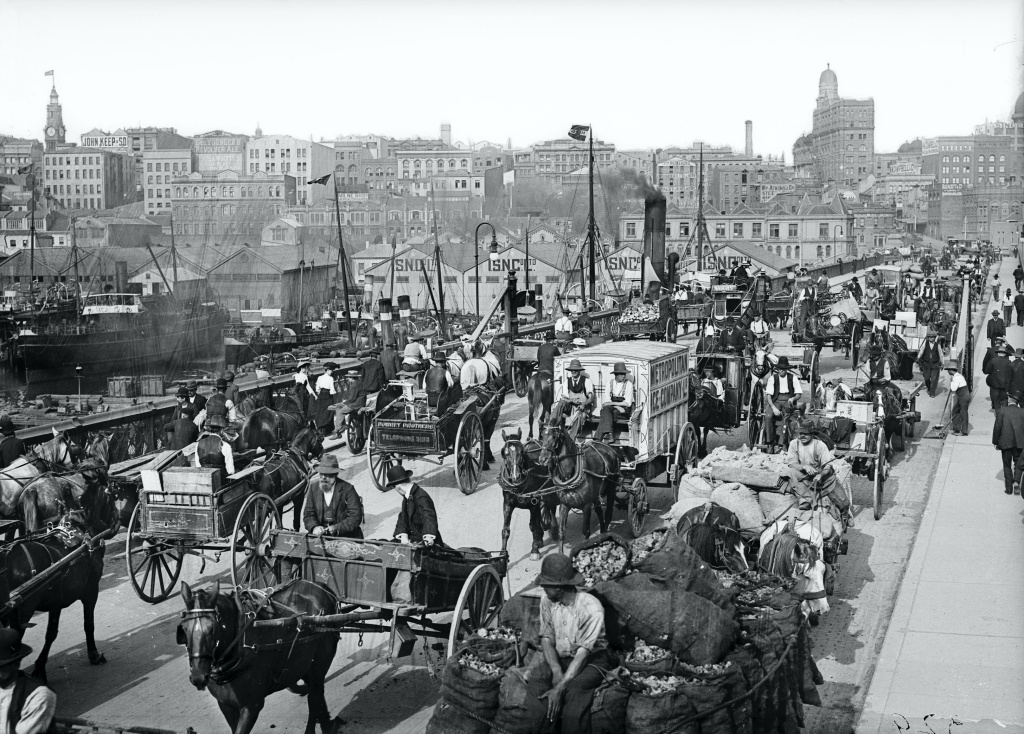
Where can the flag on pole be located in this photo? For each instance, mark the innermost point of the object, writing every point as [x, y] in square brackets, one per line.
[322, 180]
[25, 169]
[49, 73]
[579, 132]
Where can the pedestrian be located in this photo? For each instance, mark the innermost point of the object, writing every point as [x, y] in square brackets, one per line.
[1017, 377]
[996, 326]
[390, 360]
[1008, 306]
[1000, 374]
[856, 290]
[929, 359]
[995, 287]
[1008, 438]
[959, 422]
[198, 401]
[181, 432]
[26, 704]
[1018, 275]
[1018, 305]
[573, 641]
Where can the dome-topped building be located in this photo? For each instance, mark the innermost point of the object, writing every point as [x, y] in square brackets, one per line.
[1018, 109]
[828, 86]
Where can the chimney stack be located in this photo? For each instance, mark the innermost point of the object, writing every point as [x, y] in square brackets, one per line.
[654, 232]
[750, 140]
[446, 133]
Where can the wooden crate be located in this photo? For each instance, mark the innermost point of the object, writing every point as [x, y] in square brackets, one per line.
[152, 385]
[122, 387]
[191, 479]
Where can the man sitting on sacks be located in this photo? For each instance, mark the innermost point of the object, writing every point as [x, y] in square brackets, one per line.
[811, 473]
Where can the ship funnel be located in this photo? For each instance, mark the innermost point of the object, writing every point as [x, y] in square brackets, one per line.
[121, 276]
[673, 264]
[654, 231]
[387, 327]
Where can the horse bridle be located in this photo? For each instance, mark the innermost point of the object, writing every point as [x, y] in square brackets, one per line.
[59, 459]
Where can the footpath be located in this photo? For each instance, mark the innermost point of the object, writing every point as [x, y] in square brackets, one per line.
[953, 655]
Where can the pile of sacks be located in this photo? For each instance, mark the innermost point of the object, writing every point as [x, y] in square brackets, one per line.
[688, 640]
[755, 509]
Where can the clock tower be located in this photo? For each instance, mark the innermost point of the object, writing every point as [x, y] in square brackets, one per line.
[54, 130]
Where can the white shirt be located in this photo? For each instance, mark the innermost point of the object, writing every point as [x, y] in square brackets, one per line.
[301, 379]
[225, 450]
[562, 390]
[325, 382]
[956, 381]
[563, 324]
[769, 389]
[759, 327]
[716, 387]
[36, 712]
[622, 390]
[414, 351]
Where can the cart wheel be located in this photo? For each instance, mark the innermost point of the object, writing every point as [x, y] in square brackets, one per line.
[898, 438]
[671, 330]
[855, 335]
[469, 452]
[638, 506]
[252, 566]
[814, 372]
[521, 379]
[153, 566]
[477, 608]
[755, 416]
[686, 454]
[354, 434]
[615, 329]
[880, 471]
[378, 462]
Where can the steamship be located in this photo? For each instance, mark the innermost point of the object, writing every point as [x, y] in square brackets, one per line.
[117, 333]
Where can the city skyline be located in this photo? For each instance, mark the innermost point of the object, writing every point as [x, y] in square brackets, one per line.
[513, 71]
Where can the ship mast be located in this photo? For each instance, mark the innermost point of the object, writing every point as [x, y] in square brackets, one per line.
[699, 266]
[78, 279]
[591, 227]
[437, 264]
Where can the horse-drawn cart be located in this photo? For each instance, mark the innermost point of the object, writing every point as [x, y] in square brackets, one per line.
[523, 358]
[409, 428]
[184, 510]
[450, 593]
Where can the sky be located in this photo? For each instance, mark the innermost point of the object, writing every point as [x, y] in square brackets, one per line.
[644, 73]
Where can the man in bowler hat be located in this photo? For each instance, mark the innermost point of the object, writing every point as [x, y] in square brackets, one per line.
[332, 507]
[417, 523]
[1008, 438]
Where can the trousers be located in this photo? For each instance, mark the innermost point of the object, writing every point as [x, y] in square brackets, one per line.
[930, 373]
[579, 694]
[958, 420]
[998, 397]
[608, 415]
[1010, 458]
[781, 402]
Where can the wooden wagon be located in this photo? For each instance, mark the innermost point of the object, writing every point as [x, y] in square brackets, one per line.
[657, 439]
[452, 593]
[409, 428]
[523, 358]
[184, 510]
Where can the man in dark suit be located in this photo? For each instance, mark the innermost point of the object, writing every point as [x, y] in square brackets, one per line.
[333, 506]
[197, 400]
[595, 338]
[417, 521]
[391, 361]
[374, 373]
[929, 359]
[182, 430]
[1008, 438]
[996, 326]
[1017, 378]
[1000, 374]
[546, 354]
[182, 399]
[992, 352]
[1018, 305]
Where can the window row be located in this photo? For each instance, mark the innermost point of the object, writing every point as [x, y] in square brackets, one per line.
[225, 192]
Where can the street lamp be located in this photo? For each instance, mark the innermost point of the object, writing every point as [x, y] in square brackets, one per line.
[835, 252]
[476, 258]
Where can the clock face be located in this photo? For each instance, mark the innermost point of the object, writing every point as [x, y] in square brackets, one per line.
[51, 131]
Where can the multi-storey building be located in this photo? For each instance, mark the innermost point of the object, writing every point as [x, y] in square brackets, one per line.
[678, 178]
[159, 169]
[218, 151]
[840, 147]
[229, 206]
[738, 180]
[301, 159]
[556, 159]
[89, 178]
[872, 224]
[418, 163]
[380, 174]
[16, 154]
[640, 161]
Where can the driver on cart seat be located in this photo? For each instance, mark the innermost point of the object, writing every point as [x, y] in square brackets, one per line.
[438, 383]
[620, 405]
[353, 397]
[417, 523]
[212, 451]
[332, 506]
[782, 391]
[578, 392]
[811, 472]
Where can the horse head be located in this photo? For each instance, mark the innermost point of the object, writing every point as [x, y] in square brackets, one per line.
[552, 444]
[513, 454]
[97, 447]
[58, 452]
[309, 442]
[205, 630]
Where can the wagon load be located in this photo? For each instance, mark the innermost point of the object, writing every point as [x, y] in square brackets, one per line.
[742, 501]
[640, 313]
[601, 558]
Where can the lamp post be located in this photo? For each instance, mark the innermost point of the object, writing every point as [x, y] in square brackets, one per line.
[835, 252]
[78, 372]
[476, 258]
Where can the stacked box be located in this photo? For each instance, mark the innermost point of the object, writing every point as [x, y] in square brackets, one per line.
[122, 387]
[152, 385]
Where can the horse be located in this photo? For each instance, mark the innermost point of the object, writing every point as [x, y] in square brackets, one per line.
[521, 475]
[704, 412]
[267, 428]
[58, 452]
[539, 394]
[93, 514]
[261, 398]
[714, 534]
[584, 475]
[242, 664]
[50, 496]
[794, 550]
[285, 469]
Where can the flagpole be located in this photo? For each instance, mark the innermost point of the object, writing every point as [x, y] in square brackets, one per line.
[591, 228]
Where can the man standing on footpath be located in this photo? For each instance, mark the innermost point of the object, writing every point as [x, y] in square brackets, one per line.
[1000, 374]
[1018, 305]
[996, 327]
[1008, 438]
[959, 424]
[929, 359]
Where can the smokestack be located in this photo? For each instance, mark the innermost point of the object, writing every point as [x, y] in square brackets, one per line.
[121, 276]
[654, 232]
[749, 149]
[387, 329]
[446, 133]
[673, 264]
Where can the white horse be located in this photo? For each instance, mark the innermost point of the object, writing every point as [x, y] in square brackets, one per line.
[55, 453]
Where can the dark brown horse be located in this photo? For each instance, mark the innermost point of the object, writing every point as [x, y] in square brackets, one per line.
[704, 412]
[539, 395]
[263, 397]
[268, 428]
[242, 664]
[94, 515]
[714, 534]
[521, 474]
[49, 497]
[584, 473]
[285, 469]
